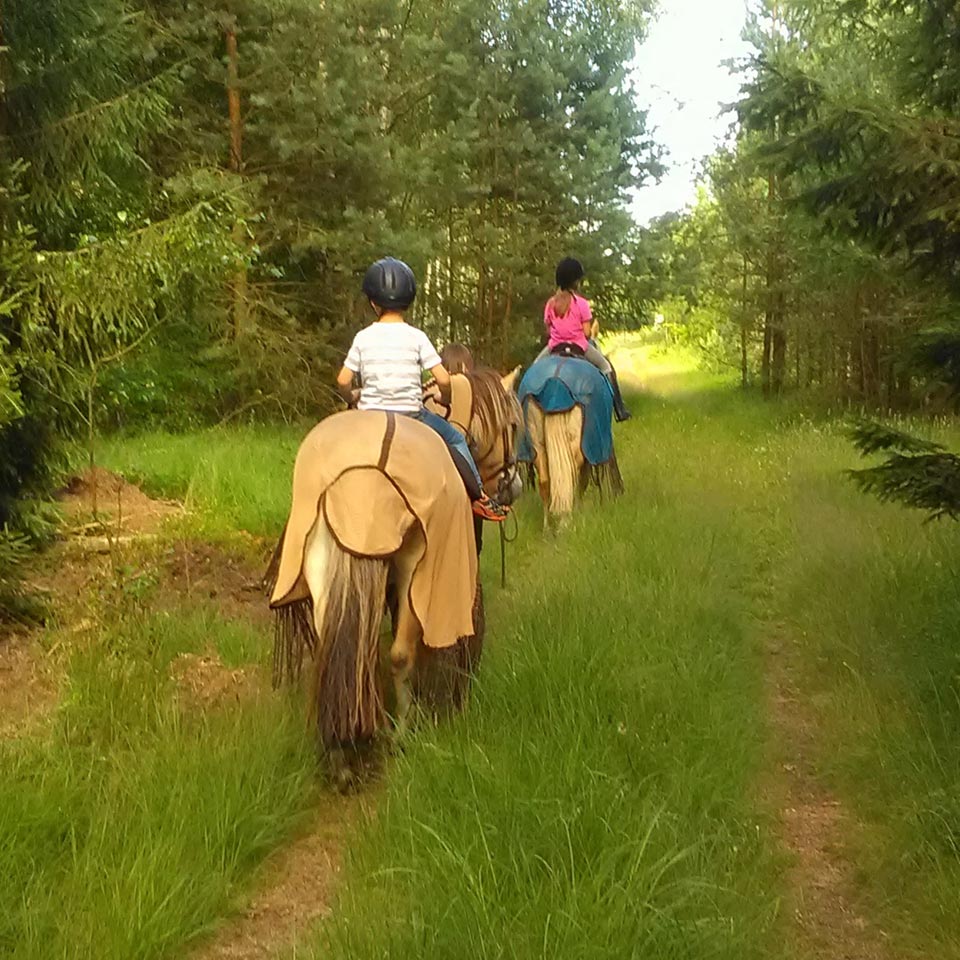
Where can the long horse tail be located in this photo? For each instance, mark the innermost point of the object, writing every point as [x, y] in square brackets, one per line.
[562, 441]
[346, 696]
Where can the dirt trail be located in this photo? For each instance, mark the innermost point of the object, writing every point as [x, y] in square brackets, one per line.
[823, 917]
[296, 889]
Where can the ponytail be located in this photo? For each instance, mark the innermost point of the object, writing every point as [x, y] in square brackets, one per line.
[561, 302]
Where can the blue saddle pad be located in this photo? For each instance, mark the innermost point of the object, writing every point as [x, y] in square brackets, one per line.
[560, 383]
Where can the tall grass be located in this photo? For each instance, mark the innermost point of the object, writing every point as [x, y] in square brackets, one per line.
[871, 597]
[238, 478]
[598, 797]
[126, 830]
[595, 800]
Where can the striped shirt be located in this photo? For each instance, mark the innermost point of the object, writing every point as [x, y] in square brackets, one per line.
[389, 358]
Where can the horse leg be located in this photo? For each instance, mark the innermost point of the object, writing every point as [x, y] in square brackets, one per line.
[403, 652]
[538, 426]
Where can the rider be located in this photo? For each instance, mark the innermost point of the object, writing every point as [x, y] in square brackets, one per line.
[568, 319]
[456, 358]
[390, 355]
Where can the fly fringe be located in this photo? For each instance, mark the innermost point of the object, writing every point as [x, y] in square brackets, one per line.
[606, 477]
[294, 634]
[444, 676]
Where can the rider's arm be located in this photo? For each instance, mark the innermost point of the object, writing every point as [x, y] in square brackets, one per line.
[442, 379]
[345, 384]
[586, 315]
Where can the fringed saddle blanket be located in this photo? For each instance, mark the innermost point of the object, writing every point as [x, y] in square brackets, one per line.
[558, 384]
[372, 477]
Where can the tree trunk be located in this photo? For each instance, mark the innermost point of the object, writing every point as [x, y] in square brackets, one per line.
[239, 288]
[744, 369]
[451, 321]
[765, 362]
[779, 346]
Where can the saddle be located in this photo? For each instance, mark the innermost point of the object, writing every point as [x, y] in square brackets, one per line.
[568, 350]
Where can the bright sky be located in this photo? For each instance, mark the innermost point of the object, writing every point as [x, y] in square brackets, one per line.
[680, 77]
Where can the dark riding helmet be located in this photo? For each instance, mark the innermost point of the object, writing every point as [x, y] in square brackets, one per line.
[569, 271]
[390, 283]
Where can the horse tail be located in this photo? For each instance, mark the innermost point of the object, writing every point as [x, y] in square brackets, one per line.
[346, 697]
[562, 440]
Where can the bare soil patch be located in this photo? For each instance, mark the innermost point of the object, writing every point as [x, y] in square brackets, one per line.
[94, 565]
[204, 681]
[204, 571]
[296, 890]
[98, 499]
[29, 682]
[825, 916]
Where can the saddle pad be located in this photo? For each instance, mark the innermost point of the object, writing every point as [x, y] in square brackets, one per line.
[557, 384]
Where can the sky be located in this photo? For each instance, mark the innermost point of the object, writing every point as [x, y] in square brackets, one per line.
[679, 77]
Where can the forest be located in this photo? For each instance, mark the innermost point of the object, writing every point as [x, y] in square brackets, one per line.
[718, 714]
[191, 194]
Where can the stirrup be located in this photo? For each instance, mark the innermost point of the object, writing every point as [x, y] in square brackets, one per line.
[489, 509]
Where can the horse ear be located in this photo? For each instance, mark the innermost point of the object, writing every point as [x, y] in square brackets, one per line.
[510, 380]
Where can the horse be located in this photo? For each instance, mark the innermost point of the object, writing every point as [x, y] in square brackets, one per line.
[380, 523]
[568, 407]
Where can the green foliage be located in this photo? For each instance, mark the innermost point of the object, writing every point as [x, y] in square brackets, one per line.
[132, 204]
[96, 247]
[828, 236]
[918, 473]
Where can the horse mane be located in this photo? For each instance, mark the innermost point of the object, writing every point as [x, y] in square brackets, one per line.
[493, 407]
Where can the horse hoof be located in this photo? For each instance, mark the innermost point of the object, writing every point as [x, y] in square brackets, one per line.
[346, 780]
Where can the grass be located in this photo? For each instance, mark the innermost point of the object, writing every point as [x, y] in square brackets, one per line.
[600, 796]
[133, 822]
[872, 596]
[234, 479]
[597, 798]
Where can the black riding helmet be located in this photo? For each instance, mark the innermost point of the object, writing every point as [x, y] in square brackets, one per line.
[390, 283]
[569, 271]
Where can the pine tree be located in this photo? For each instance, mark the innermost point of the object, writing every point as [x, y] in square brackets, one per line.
[94, 248]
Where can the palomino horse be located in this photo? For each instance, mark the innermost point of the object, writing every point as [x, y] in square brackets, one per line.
[568, 406]
[380, 511]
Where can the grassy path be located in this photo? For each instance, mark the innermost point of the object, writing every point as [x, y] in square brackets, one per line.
[716, 719]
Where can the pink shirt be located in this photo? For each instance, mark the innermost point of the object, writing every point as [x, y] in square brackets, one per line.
[569, 328]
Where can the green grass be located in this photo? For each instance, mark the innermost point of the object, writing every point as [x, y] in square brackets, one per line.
[871, 596]
[600, 797]
[130, 826]
[597, 798]
[236, 479]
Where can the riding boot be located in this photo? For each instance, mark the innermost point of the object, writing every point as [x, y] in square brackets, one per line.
[620, 410]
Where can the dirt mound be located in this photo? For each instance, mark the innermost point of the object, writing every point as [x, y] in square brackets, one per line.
[99, 498]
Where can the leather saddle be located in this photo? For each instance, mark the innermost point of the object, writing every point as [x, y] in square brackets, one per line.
[568, 350]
